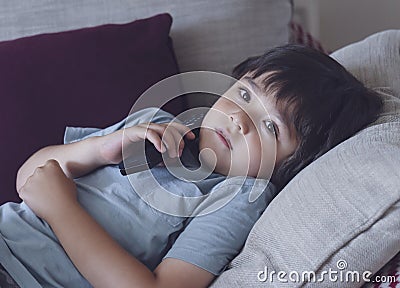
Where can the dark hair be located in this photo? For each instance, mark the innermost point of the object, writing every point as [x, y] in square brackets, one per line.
[317, 96]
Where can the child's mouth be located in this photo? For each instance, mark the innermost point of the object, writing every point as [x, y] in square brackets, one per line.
[224, 140]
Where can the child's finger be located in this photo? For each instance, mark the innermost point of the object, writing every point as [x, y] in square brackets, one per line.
[152, 132]
[183, 129]
[171, 137]
[180, 131]
[155, 138]
[142, 132]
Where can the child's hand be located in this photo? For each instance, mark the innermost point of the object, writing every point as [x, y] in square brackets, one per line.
[48, 191]
[165, 137]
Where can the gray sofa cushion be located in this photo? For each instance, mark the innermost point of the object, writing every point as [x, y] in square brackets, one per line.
[208, 35]
[375, 62]
[343, 207]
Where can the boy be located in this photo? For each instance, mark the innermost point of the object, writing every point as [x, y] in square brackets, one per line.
[313, 104]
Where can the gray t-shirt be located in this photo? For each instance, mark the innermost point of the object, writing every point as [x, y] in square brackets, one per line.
[32, 255]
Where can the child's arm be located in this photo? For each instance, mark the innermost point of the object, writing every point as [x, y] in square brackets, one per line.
[75, 159]
[79, 158]
[52, 196]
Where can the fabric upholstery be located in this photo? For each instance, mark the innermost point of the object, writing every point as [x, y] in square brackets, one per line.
[373, 61]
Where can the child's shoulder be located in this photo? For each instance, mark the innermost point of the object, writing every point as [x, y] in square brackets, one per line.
[151, 114]
[247, 187]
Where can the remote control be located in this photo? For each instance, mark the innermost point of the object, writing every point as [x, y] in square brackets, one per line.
[152, 157]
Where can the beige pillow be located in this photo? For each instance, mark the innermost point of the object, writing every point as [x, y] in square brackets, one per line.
[375, 61]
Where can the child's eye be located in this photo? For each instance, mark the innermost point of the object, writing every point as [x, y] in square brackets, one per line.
[270, 126]
[244, 94]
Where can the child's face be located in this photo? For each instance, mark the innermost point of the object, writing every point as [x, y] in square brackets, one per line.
[245, 132]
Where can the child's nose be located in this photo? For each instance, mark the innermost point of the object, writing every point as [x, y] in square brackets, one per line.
[240, 121]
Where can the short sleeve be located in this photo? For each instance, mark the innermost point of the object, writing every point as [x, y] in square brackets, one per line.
[211, 241]
[73, 134]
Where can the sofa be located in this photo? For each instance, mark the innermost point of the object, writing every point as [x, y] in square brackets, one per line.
[84, 63]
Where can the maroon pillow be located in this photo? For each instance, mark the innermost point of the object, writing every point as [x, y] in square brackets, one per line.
[88, 77]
